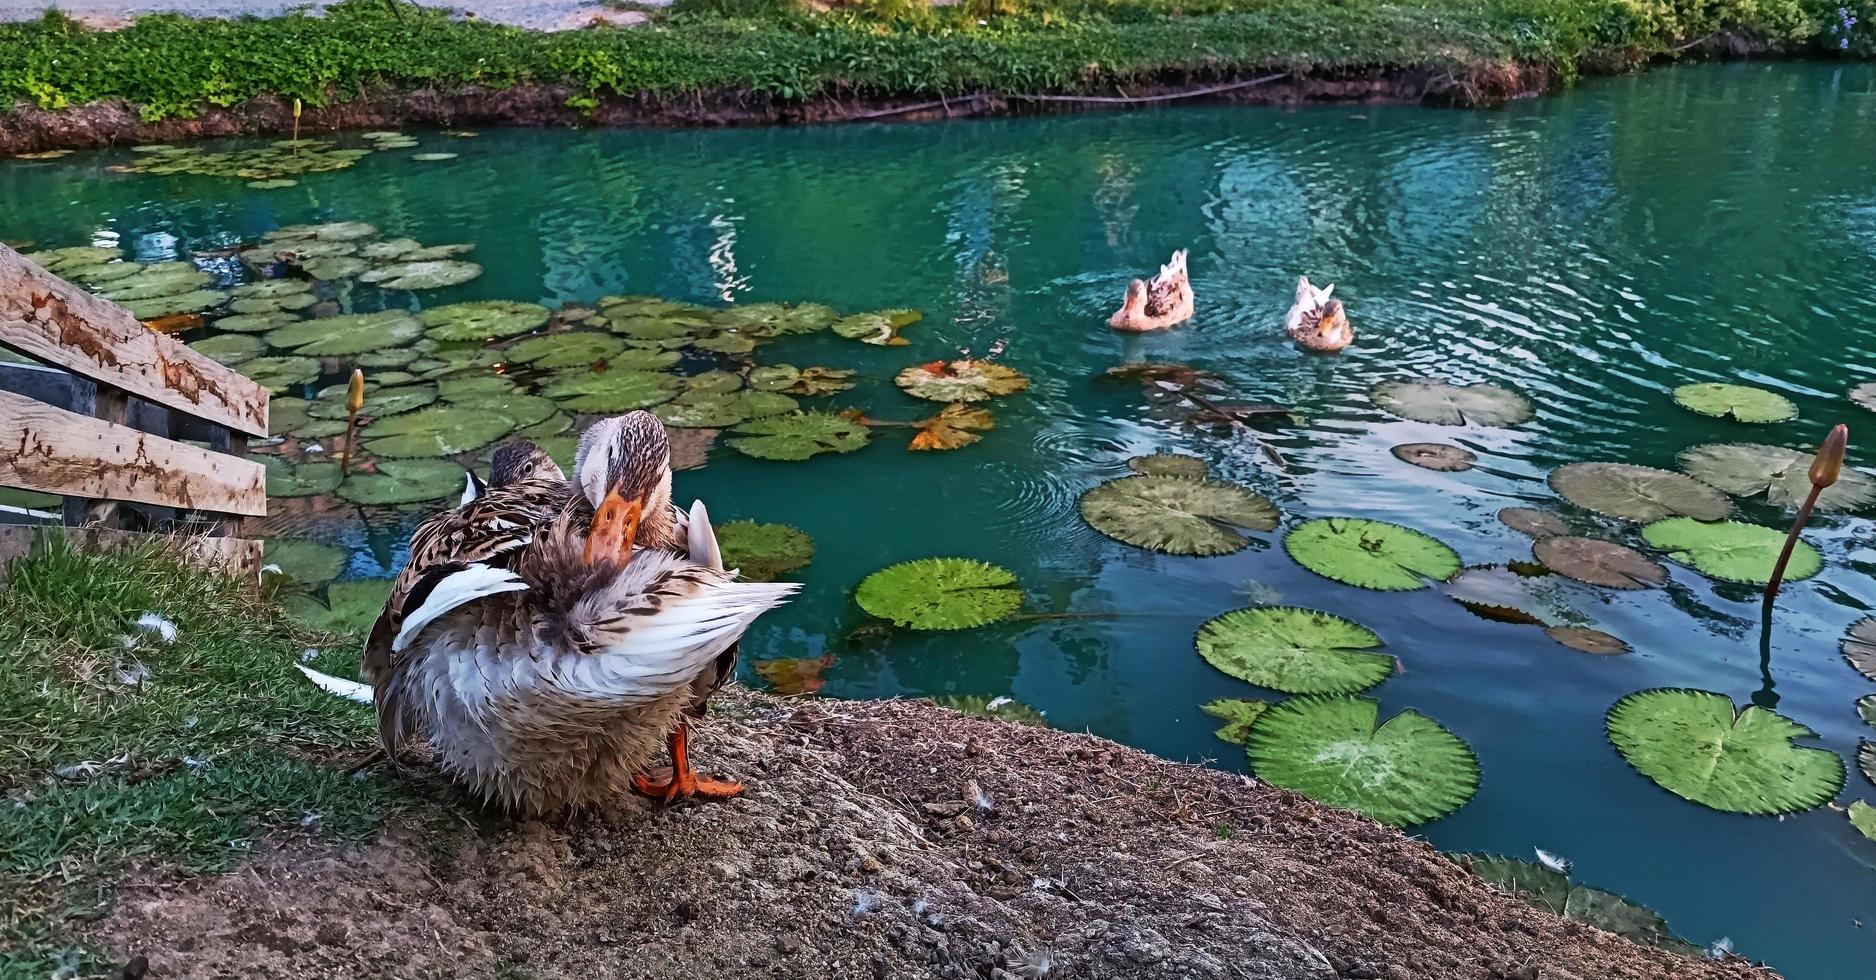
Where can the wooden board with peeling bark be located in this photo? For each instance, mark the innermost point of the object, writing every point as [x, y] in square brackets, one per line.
[48, 318]
[237, 556]
[55, 451]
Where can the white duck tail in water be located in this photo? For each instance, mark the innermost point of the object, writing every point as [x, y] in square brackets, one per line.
[1156, 305]
[550, 633]
[1316, 321]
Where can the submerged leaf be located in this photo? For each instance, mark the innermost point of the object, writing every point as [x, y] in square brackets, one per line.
[1437, 456]
[1732, 551]
[940, 594]
[286, 479]
[350, 607]
[1442, 403]
[1783, 476]
[1407, 771]
[1741, 403]
[1533, 523]
[307, 562]
[954, 427]
[1598, 562]
[763, 551]
[960, 381]
[798, 436]
[1692, 744]
[1177, 515]
[1169, 464]
[1859, 646]
[1370, 554]
[1239, 715]
[1638, 493]
[1294, 650]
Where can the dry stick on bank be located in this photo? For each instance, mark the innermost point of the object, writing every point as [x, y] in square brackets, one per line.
[1825, 469]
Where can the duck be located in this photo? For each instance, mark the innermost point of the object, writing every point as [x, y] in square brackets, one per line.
[554, 633]
[1163, 302]
[1316, 321]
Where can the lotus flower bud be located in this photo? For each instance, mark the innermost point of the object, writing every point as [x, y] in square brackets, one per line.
[355, 396]
[1829, 462]
[296, 108]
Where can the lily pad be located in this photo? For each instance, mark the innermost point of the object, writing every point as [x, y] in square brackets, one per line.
[1442, 403]
[1437, 456]
[483, 320]
[1001, 708]
[1638, 493]
[379, 402]
[1863, 818]
[1732, 551]
[1866, 709]
[1533, 523]
[1586, 640]
[68, 261]
[763, 551]
[954, 427]
[355, 334]
[1177, 515]
[331, 231]
[1370, 554]
[286, 479]
[404, 481]
[960, 381]
[817, 382]
[350, 607]
[1859, 646]
[439, 430]
[331, 268]
[1598, 562]
[715, 410]
[765, 320]
[1866, 759]
[612, 391]
[940, 594]
[1408, 770]
[278, 374]
[196, 301]
[1239, 715]
[1169, 464]
[565, 350]
[1553, 892]
[798, 436]
[1692, 744]
[272, 289]
[1739, 402]
[229, 348]
[255, 322]
[422, 275]
[1294, 650]
[714, 382]
[1783, 476]
[882, 328]
[310, 563]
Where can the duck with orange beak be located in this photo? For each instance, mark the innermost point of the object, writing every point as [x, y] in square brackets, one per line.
[1316, 321]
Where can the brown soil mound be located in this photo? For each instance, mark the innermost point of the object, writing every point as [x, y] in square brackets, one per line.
[886, 839]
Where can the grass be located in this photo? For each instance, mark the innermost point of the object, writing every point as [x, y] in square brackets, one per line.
[169, 66]
[124, 749]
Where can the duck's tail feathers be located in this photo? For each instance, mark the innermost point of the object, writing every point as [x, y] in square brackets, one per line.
[663, 652]
[350, 690]
[701, 538]
[446, 587]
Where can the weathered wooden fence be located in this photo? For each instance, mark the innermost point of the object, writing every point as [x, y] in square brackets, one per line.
[101, 420]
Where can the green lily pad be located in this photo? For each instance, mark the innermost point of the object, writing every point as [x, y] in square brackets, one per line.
[1552, 891]
[197, 301]
[1692, 744]
[1859, 646]
[565, 350]
[1407, 771]
[816, 382]
[310, 563]
[715, 382]
[1177, 515]
[331, 268]
[1866, 759]
[1442, 403]
[636, 359]
[464, 387]
[647, 328]
[155, 280]
[940, 594]
[773, 377]
[354, 334]
[404, 481]
[229, 348]
[331, 231]
[350, 607]
[1239, 715]
[1782, 476]
[1294, 650]
[763, 551]
[798, 436]
[960, 381]
[1739, 402]
[1863, 818]
[1370, 554]
[1596, 562]
[726, 343]
[439, 430]
[764, 320]
[1169, 464]
[255, 322]
[1731, 551]
[278, 374]
[881, 328]
[612, 391]
[68, 261]
[1000, 708]
[379, 402]
[1541, 886]
[716, 410]
[483, 320]
[286, 479]
[285, 414]
[1866, 709]
[272, 289]
[422, 275]
[1638, 493]
[395, 357]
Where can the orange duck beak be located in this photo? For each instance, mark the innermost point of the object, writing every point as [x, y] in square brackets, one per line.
[614, 527]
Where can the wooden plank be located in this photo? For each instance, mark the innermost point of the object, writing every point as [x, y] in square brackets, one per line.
[55, 451]
[48, 318]
[235, 444]
[107, 405]
[239, 556]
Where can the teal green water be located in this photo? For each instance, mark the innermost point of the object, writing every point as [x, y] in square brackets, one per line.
[1593, 250]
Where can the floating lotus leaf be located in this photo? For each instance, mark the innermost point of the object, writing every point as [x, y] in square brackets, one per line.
[379, 403]
[482, 320]
[1863, 818]
[714, 410]
[1517, 592]
[285, 414]
[1782, 475]
[439, 364]
[1441, 403]
[355, 334]
[196, 301]
[646, 328]
[331, 268]
[1000, 708]
[67, 261]
[774, 377]
[816, 382]
[1866, 709]
[159, 279]
[954, 427]
[467, 386]
[881, 329]
[395, 357]
[715, 382]
[1741, 403]
[792, 677]
[43, 155]
[229, 348]
[307, 562]
[1370, 554]
[112, 272]
[274, 304]
[1407, 771]
[1169, 464]
[1239, 715]
[1692, 744]
[1533, 523]
[439, 430]
[612, 391]
[643, 360]
[763, 320]
[727, 343]
[1177, 515]
[940, 594]
[350, 607]
[553, 425]
[404, 481]
[1866, 759]
[960, 381]
[1638, 493]
[1294, 650]
[1541, 886]
[299, 252]
[432, 157]
[1859, 646]
[763, 551]
[255, 322]
[565, 350]
[389, 249]
[1588, 640]
[277, 374]
[1437, 456]
[331, 231]
[1597, 562]
[1732, 551]
[518, 408]
[286, 479]
[1553, 892]
[422, 275]
[798, 436]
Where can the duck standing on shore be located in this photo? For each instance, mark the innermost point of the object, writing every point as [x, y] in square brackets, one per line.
[1163, 302]
[552, 632]
[1316, 321]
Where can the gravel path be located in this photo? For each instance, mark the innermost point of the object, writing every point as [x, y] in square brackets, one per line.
[544, 15]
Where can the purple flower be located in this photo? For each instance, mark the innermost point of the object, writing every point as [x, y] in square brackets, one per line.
[1843, 44]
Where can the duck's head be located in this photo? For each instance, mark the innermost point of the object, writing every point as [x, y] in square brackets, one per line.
[624, 470]
[518, 460]
[1136, 296]
[1333, 320]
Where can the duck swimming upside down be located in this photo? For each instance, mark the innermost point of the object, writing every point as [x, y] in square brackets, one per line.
[1316, 321]
[550, 633]
[1163, 302]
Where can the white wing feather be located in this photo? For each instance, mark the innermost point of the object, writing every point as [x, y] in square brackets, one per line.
[350, 690]
[665, 651]
[701, 538]
[468, 585]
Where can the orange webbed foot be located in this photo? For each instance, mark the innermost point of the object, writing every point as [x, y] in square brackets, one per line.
[670, 786]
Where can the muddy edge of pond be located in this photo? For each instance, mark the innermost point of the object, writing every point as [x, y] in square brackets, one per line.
[880, 839]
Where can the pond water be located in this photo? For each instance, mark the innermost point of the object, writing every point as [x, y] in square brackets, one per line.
[1592, 250]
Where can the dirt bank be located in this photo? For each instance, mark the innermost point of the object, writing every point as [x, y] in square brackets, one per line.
[865, 849]
[29, 129]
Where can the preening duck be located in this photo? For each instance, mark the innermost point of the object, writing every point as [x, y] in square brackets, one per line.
[1317, 321]
[1164, 301]
[551, 633]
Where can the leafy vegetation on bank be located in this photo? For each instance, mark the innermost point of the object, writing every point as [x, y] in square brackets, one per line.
[170, 66]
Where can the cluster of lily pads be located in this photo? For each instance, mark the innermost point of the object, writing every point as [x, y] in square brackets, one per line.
[272, 166]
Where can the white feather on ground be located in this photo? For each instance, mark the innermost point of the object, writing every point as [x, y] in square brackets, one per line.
[350, 690]
[1555, 862]
[160, 625]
